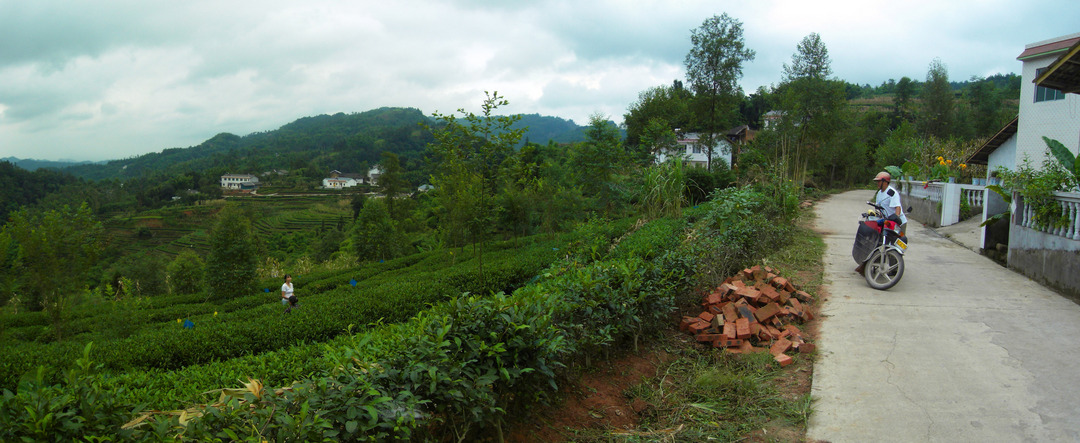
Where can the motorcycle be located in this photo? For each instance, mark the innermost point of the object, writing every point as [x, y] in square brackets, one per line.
[879, 248]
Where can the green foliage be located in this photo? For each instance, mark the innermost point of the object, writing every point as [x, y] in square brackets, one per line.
[739, 226]
[1037, 187]
[230, 267]
[664, 188]
[1066, 159]
[375, 235]
[56, 251]
[186, 273]
[938, 108]
[71, 411]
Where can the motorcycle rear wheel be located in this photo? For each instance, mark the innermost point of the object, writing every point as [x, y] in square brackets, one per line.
[883, 271]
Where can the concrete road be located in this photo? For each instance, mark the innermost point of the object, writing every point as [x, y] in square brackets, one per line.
[961, 350]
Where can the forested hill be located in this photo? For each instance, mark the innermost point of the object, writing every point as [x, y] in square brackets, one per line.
[346, 142]
[340, 141]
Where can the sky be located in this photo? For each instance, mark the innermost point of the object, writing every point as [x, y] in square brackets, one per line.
[111, 79]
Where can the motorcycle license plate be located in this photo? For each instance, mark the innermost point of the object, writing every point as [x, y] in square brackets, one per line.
[901, 244]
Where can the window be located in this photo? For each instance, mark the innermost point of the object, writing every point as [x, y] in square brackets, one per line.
[1046, 94]
[697, 148]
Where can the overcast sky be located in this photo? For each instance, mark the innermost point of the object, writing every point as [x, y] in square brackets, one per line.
[108, 79]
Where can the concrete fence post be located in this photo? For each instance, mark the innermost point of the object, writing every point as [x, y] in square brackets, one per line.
[950, 204]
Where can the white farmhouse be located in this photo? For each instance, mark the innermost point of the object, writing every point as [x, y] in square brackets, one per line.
[689, 147]
[1043, 112]
[239, 181]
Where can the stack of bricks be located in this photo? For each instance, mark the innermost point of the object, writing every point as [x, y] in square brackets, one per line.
[754, 311]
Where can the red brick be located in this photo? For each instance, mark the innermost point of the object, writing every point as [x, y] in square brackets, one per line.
[728, 343]
[770, 293]
[747, 312]
[726, 289]
[712, 299]
[718, 323]
[684, 325]
[756, 328]
[767, 312]
[707, 316]
[738, 284]
[698, 327]
[746, 346]
[780, 346]
[784, 360]
[807, 348]
[803, 296]
[784, 297]
[730, 330]
[742, 328]
[730, 313]
[708, 338]
[794, 330]
[748, 293]
[716, 309]
[779, 282]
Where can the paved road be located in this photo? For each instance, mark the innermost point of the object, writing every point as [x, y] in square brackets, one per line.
[961, 350]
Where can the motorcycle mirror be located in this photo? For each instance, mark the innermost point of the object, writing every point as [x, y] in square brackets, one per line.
[908, 209]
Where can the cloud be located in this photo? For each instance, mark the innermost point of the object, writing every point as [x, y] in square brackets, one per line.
[114, 78]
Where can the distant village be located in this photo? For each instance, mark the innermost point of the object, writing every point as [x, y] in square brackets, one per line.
[249, 183]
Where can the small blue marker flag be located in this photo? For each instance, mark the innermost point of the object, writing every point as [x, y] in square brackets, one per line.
[353, 282]
[188, 324]
[266, 289]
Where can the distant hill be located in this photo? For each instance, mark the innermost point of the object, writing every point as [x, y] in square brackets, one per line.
[545, 128]
[33, 165]
[347, 142]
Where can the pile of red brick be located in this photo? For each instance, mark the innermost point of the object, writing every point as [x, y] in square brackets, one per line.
[754, 311]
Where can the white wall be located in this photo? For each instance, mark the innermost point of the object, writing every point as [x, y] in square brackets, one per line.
[1004, 155]
[1056, 119]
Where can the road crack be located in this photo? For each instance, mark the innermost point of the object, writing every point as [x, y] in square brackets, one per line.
[889, 366]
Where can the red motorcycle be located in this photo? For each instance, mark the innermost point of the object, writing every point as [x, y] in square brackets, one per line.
[879, 248]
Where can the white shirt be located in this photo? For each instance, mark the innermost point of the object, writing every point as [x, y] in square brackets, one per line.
[286, 290]
[890, 200]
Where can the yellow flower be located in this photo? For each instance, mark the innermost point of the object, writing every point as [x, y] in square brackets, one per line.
[963, 166]
[940, 158]
[178, 320]
[940, 162]
[215, 313]
[949, 162]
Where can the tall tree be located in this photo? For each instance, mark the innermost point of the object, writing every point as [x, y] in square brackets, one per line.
[668, 106]
[470, 150]
[811, 60]
[233, 259]
[713, 68]
[56, 251]
[391, 183]
[937, 98]
[904, 91]
[813, 106]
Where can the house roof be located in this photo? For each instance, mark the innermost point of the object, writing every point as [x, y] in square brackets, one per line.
[982, 155]
[1064, 73]
[1048, 47]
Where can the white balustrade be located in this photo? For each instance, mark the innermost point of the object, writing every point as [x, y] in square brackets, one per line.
[1070, 213]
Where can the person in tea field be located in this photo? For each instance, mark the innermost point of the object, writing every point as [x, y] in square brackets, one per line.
[288, 296]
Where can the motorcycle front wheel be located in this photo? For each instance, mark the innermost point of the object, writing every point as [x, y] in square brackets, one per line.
[883, 271]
